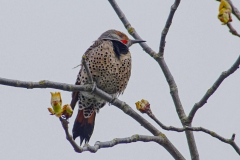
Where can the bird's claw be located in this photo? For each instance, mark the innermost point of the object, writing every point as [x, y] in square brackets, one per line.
[86, 145]
[112, 100]
[94, 87]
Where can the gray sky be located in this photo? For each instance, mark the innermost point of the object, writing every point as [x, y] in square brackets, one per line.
[46, 39]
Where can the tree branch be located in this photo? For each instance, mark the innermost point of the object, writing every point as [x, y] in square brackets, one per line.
[232, 30]
[44, 84]
[235, 11]
[214, 87]
[90, 79]
[167, 26]
[199, 129]
[98, 145]
[94, 90]
[228, 141]
[173, 87]
[69, 136]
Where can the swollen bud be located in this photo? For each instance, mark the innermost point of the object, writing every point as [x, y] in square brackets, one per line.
[225, 11]
[143, 106]
[56, 102]
[67, 111]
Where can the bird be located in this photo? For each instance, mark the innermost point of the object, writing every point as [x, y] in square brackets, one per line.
[109, 62]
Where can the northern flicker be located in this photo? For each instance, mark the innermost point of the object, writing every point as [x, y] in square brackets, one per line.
[109, 62]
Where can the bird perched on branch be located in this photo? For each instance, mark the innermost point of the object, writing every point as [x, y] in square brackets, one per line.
[109, 62]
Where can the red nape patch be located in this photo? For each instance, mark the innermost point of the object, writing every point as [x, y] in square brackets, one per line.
[124, 41]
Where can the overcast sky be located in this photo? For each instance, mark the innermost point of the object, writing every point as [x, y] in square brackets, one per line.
[44, 40]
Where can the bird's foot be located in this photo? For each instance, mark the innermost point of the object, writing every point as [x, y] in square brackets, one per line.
[112, 100]
[86, 145]
[94, 87]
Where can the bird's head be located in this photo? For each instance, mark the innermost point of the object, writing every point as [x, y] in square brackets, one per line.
[114, 35]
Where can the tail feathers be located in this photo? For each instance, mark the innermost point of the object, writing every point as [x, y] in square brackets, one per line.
[83, 127]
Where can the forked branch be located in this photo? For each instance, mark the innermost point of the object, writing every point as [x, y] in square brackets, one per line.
[214, 87]
[98, 145]
[197, 129]
[160, 59]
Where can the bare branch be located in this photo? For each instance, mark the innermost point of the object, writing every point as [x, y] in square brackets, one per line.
[229, 141]
[232, 30]
[214, 87]
[69, 136]
[98, 145]
[44, 84]
[167, 26]
[235, 11]
[87, 69]
[168, 128]
[173, 87]
[200, 129]
[94, 90]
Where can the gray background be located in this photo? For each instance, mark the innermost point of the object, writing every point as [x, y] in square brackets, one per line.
[46, 39]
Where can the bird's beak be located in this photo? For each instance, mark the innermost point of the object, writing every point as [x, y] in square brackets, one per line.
[133, 41]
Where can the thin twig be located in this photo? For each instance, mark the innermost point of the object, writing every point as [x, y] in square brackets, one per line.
[214, 87]
[98, 145]
[168, 128]
[167, 26]
[87, 69]
[199, 129]
[232, 30]
[69, 136]
[229, 141]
